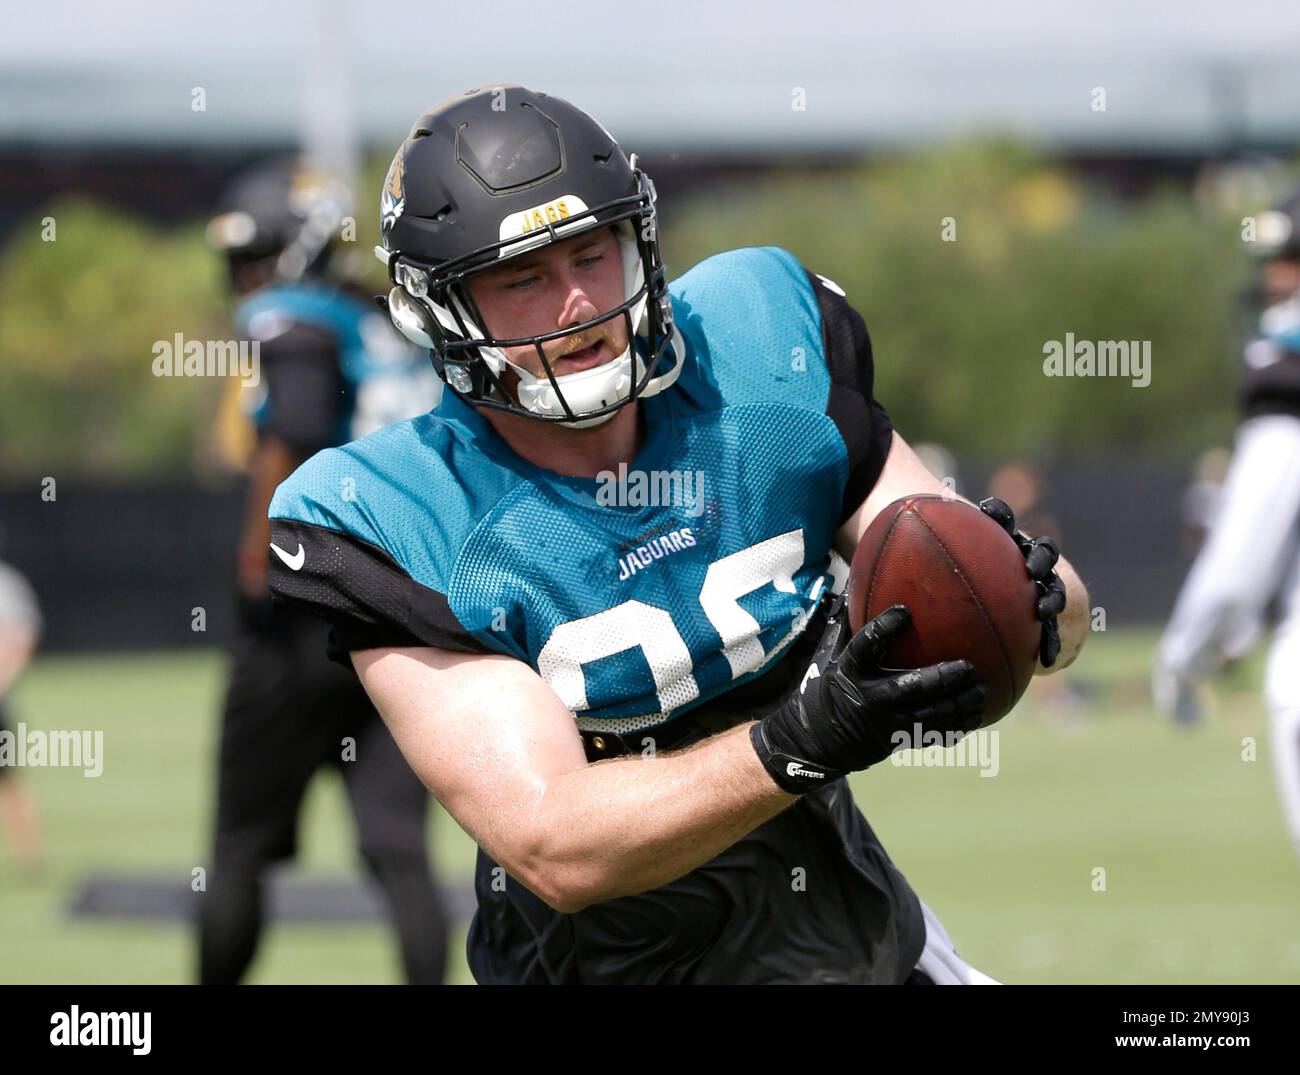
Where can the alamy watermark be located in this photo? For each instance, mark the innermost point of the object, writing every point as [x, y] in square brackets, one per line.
[923, 749]
[123, 1029]
[683, 489]
[179, 357]
[1100, 358]
[34, 748]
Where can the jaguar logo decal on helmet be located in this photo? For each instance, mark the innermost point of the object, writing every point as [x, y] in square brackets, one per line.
[393, 199]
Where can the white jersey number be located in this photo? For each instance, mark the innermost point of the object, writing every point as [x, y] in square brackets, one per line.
[635, 624]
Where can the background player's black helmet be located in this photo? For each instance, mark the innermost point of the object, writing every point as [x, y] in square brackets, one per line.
[1277, 231]
[492, 174]
[284, 212]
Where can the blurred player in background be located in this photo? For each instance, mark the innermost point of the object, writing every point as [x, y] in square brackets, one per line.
[1203, 500]
[1020, 485]
[1251, 558]
[332, 369]
[20, 630]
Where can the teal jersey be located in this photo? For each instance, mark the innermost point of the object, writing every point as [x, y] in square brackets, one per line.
[646, 591]
[381, 378]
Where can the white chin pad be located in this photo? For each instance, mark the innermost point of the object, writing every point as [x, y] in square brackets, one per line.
[596, 388]
[584, 391]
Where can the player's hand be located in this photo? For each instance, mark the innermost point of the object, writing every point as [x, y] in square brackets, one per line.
[1040, 555]
[850, 713]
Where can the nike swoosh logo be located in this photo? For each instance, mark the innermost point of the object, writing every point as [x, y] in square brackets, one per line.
[294, 562]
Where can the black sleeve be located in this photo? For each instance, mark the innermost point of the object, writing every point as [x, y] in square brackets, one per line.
[366, 596]
[304, 385]
[1270, 380]
[862, 422]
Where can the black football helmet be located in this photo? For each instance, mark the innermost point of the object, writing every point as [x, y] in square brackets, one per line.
[283, 211]
[497, 172]
[1277, 230]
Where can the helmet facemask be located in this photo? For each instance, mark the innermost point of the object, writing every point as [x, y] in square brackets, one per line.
[433, 306]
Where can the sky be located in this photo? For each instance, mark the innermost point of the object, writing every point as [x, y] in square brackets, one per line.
[731, 74]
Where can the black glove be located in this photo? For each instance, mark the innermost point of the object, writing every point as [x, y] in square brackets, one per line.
[1040, 555]
[848, 711]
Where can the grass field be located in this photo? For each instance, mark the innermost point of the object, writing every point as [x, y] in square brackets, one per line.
[1200, 881]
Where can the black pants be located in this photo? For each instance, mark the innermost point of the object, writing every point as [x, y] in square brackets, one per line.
[810, 896]
[288, 713]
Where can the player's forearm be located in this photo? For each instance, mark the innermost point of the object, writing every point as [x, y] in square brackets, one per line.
[627, 825]
[1075, 620]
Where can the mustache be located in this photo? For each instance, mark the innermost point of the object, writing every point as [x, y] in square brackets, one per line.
[571, 345]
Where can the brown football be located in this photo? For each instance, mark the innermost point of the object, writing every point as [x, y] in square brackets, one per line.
[963, 579]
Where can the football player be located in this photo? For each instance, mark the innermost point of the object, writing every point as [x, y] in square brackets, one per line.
[596, 594]
[331, 368]
[1251, 557]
